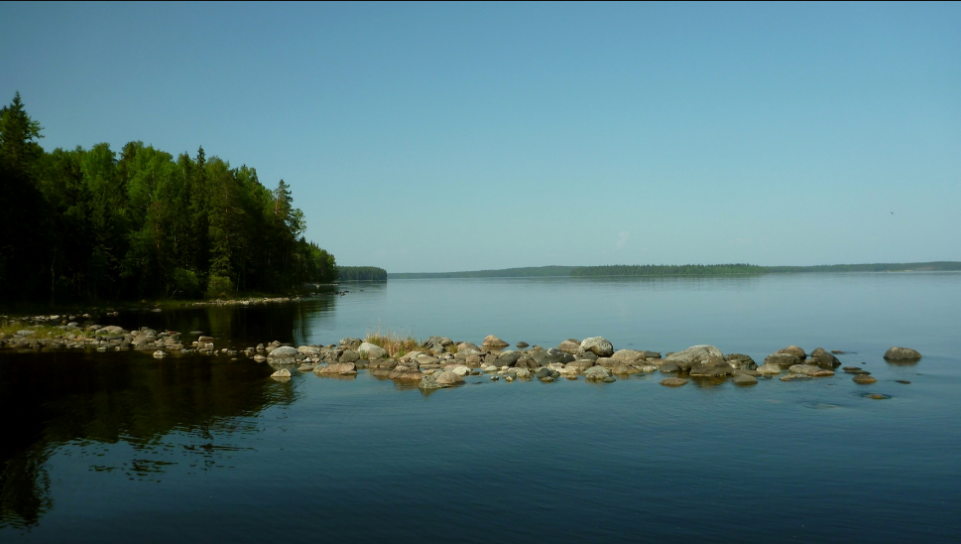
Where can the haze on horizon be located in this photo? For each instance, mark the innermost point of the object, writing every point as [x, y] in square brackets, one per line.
[435, 138]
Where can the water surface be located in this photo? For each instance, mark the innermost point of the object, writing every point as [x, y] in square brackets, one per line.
[117, 447]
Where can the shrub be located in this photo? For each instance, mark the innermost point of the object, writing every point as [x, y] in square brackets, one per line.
[184, 284]
[219, 286]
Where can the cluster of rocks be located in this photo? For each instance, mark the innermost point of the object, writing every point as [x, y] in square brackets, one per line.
[244, 301]
[440, 362]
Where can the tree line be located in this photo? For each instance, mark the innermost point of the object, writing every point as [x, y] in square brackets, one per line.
[93, 224]
[361, 273]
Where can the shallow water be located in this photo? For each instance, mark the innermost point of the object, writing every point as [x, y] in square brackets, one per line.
[120, 447]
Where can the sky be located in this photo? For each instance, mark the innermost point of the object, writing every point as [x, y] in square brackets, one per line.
[447, 137]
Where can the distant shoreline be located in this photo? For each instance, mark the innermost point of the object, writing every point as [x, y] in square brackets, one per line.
[678, 270]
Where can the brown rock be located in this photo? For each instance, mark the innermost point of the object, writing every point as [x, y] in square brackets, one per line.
[864, 379]
[673, 382]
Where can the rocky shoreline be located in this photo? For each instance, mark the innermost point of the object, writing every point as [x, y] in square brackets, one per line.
[440, 362]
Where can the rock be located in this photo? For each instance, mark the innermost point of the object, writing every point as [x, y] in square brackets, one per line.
[902, 354]
[713, 369]
[460, 370]
[494, 378]
[864, 379]
[205, 339]
[544, 357]
[628, 356]
[508, 358]
[905, 382]
[624, 369]
[795, 351]
[259, 358]
[824, 359]
[739, 360]
[854, 370]
[158, 354]
[439, 380]
[770, 369]
[878, 396]
[794, 377]
[350, 343]
[283, 355]
[569, 346]
[305, 367]
[596, 373]
[673, 382]
[523, 373]
[579, 365]
[493, 342]
[383, 364]
[371, 351]
[405, 373]
[308, 350]
[464, 346]
[522, 345]
[336, 369]
[744, 379]
[670, 368]
[783, 360]
[703, 355]
[349, 356]
[807, 370]
[282, 373]
[597, 345]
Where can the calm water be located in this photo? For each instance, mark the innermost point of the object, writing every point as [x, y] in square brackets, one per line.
[121, 447]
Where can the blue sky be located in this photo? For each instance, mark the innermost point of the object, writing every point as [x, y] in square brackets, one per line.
[423, 137]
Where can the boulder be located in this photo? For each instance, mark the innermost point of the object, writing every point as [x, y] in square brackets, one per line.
[795, 351]
[670, 367]
[350, 343]
[783, 360]
[824, 359]
[744, 379]
[902, 354]
[464, 346]
[283, 355]
[623, 369]
[382, 364]
[405, 373]
[526, 361]
[308, 350]
[739, 360]
[715, 369]
[371, 351]
[597, 373]
[693, 355]
[508, 358]
[493, 342]
[673, 382]
[807, 370]
[349, 356]
[569, 346]
[597, 345]
[460, 370]
[544, 357]
[770, 369]
[628, 356]
[523, 373]
[282, 373]
[522, 345]
[336, 369]
[439, 380]
[864, 379]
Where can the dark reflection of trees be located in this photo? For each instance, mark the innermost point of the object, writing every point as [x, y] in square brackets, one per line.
[54, 398]
[242, 325]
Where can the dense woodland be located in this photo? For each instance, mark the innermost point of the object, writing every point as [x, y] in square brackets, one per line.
[361, 273]
[667, 270]
[94, 224]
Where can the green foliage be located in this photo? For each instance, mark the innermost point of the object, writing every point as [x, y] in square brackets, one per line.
[361, 273]
[89, 224]
[184, 284]
[528, 272]
[219, 286]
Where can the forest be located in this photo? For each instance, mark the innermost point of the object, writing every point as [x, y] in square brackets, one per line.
[140, 223]
[667, 270]
[361, 273]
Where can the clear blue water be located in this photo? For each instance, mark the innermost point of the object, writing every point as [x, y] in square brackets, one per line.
[120, 447]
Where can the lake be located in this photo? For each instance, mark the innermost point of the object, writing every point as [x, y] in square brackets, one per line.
[120, 447]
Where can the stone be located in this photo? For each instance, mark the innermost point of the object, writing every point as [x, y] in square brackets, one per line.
[308, 350]
[259, 358]
[854, 370]
[382, 364]
[597, 345]
[522, 345]
[523, 373]
[569, 346]
[350, 343]
[282, 373]
[702, 354]
[464, 346]
[596, 373]
[740, 360]
[824, 359]
[460, 370]
[878, 396]
[508, 358]
[158, 354]
[795, 351]
[807, 370]
[493, 342]
[283, 353]
[628, 356]
[744, 379]
[349, 356]
[770, 369]
[783, 360]
[305, 367]
[794, 377]
[864, 379]
[544, 357]
[336, 369]
[579, 365]
[405, 373]
[371, 351]
[902, 354]
[670, 368]
[713, 369]
[673, 382]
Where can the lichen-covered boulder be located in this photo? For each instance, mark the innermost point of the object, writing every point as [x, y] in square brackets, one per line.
[371, 351]
[902, 354]
[693, 355]
[493, 342]
[598, 345]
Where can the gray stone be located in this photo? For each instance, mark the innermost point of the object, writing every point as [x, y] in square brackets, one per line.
[336, 369]
[670, 368]
[673, 382]
[544, 357]
[902, 354]
[282, 373]
[371, 351]
[493, 342]
[596, 373]
[597, 345]
[824, 359]
[795, 351]
[569, 346]
[349, 356]
[770, 369]
[783, 360]
[740, 360]
[702, 355]
[628, 356]
[744, 379]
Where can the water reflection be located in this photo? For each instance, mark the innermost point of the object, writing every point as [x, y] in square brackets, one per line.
[193, 405]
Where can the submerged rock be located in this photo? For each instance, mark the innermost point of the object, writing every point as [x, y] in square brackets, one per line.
[744, 379]
[282, 373]
[673, 382]
[902, 354]
[864, 379]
